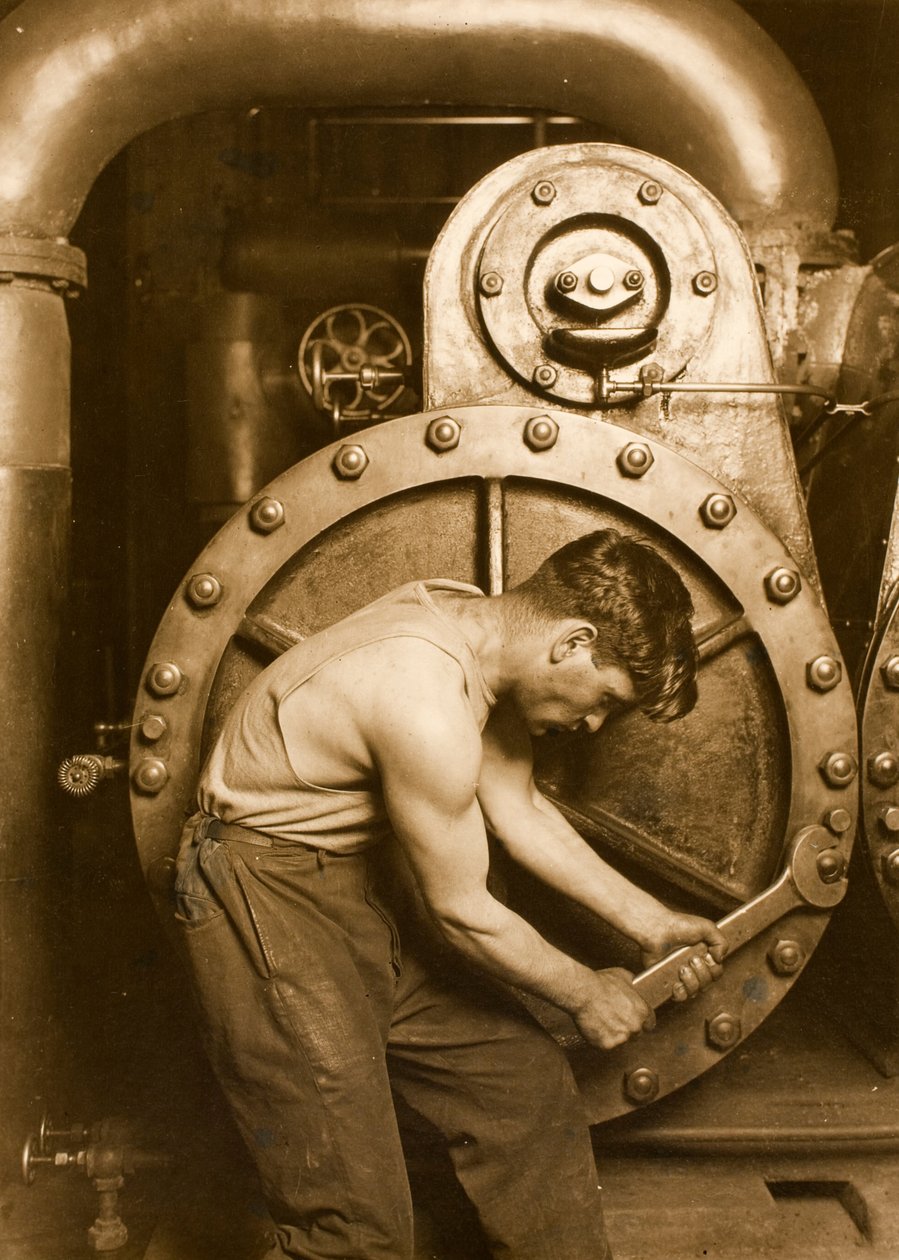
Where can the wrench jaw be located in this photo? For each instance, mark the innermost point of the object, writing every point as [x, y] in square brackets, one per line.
[818, 868]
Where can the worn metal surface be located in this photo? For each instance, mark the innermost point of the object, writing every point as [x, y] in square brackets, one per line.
[487, 509]
[717, 333]
[879, 713]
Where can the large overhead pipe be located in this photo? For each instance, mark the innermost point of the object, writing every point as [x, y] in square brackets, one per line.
[694, 81]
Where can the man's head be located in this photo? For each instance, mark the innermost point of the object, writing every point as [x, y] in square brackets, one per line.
[614, 597]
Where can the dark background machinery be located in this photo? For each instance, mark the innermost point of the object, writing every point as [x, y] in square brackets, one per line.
[246, 260]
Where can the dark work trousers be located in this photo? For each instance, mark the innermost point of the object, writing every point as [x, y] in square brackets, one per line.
[313, 1017]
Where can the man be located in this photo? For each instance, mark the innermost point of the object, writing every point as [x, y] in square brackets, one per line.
[406, 728]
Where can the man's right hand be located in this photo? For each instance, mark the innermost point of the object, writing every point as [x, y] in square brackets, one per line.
[612, 1011]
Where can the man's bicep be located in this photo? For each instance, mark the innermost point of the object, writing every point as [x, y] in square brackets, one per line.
[506, 789]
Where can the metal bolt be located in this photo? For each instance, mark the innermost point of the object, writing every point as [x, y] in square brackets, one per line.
[161, 875]
[566, 281]
[150, 775]
[831, 866]
[633, 279]
[723, 1030]
[204, 590]
[782, 585]
[153, 727]
[266, 515]
[838, 769]
[890, 866]
[883, 769]
[641, 1085]
[840, 820]
[443, 434]
[704, 283]
[164, 678]
[545, 375]
[889, 672]
[491, 283]
[543, 193]
[650, 192]
[350, 462]
[717, 511]
[540, 433]
[786, 957]
[888, 817]
[635, 459]
[823, 673]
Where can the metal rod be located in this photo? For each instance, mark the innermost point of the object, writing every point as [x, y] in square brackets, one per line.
[494, 506]
[713, 640]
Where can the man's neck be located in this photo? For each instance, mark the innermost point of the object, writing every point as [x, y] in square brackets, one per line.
[489, 626]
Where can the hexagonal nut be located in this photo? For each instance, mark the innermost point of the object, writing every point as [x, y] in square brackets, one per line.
[443, 434]
[889, 672]
[717, 511]
[831, 866]
[723, 1030]
[704, 283]
[641, 1085]
[153, 726]
[266, 515]
[545, 375]
[650, 192]
[883, 769]
[635, 459]
[490, 283]
[541, 433]
[150, 776]
[350, 462]
[786, 957]
[889, 864]
[164, 679]
[839, 820]
[888, 817]
[823, 673]
[204, 590]
[782, 585]
[838, 769]
[543, 192]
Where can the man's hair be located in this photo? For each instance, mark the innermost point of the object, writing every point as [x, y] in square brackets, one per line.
[639, 606]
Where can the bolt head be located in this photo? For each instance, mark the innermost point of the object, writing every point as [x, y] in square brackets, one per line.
[635, 459]
[443, 434]
[782, 585]
[541, 432]
[723, 1030]
[717, 511]
[883, 769]
[840, 820]
[153, 727]
[543, 193]
[641, 1085]
[266, 515]
[888, 817]
[566, 281]
[164, 678]
[204, 590]
[786, 957]
[491, 283]
[150, 776]
[704, 283]
[650, 192]
[890, 866]
[633, 279]
[823, 673]
[545, 375]
[838, 769]
[889, 672]
[350, 462]
[831, 866]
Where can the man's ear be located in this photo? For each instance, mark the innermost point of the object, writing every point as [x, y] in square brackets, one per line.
[576, 634]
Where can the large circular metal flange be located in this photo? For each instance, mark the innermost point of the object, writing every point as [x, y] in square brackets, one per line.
[879, 704]
[700, 808]
[587, 264]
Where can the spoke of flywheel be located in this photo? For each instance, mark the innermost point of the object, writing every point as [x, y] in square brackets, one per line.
[712, 640]
[493, 535]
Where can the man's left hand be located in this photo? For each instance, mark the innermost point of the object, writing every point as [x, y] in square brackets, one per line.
[702, 966]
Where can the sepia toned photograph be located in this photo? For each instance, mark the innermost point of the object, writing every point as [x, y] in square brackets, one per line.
[450, 657]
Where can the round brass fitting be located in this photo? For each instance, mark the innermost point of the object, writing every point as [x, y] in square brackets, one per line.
[545, 375]
[888, 817]
[150, 775]
[889, 672]
[723, 1030]
[541, 433]
[839, 820]
[204, 590]
[566, 281]
[543, 193]
[641, 1085]
[650, 192]
[786, 957]
[153, 727]
[890, 866]
[443, 434]
[823, 673]
[717, 511]
[350, 462]
[266, 515]
[883, 769]
[164, 678]
[704, 283]
[635, 459]
[491, 284]
[782, 585]
[838, 769]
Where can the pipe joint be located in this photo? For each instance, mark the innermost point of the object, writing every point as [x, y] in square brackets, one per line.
[25, 259]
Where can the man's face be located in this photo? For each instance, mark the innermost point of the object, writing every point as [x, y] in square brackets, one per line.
[573, 694]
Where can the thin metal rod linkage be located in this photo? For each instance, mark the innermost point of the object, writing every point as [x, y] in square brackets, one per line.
[711, 641]
[494, 533]
[863, 410]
